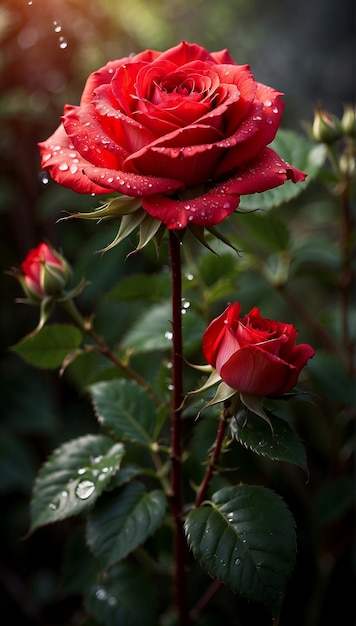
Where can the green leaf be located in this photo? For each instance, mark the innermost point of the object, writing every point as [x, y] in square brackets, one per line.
[147, 287]
[50, 346]
[124, 597]
[153, 330]
[126, 410]
[74, 477]
[123, 520]
[245, 537]
[297, 151]
[279, 444]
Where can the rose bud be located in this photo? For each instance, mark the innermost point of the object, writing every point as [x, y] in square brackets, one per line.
[326, 127]
[45, 273]
[255, 355]
[348, 120]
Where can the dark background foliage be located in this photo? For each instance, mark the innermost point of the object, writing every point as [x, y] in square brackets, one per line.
[304, 49]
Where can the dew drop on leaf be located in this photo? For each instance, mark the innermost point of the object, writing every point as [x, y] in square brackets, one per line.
[85, 489]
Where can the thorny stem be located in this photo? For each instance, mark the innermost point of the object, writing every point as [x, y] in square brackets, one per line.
[176, 498]
[86, 326]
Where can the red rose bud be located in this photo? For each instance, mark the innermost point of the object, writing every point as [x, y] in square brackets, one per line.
[255, 355]
[326, 127]
[45, 273]
[186, 131]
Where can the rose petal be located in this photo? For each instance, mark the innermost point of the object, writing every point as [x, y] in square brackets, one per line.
[65, 164]
[254, 371]
[185, 53]
[261, 127]
[131, 184]
[265, 172]
[206, 210]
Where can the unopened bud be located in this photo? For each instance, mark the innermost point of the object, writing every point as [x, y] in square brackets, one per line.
[326, 127]
[45, 273]
[348, 120]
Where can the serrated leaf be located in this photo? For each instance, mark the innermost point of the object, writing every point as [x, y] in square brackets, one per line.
[74, 477]
[279, 444]
[50, 346]
[123, 520]
[124, 597]
[299, 152]
[126, 410]
[245, 537]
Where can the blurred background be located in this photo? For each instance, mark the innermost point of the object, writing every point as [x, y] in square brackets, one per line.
[305, 49]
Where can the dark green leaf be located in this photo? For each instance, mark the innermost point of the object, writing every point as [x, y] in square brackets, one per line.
[50, 346]
[245, 537]
[125, 409]
[147, 287]
[124, 597]
[153, 330]
[279, 444]
[74, 477]
[123, 520]
[299, 152]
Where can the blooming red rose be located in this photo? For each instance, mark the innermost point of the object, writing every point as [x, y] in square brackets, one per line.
[253, 354]
[186, 130]
[45, 273]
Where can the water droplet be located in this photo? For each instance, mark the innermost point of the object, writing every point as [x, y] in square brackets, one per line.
[64, 494]
[168, 334]
[262, 443]
[44, 178]
[275, 110]
[63, 167]
[237, 561]
[189, 276]
[85, 489]
[57, 27]
[53, 506]
[268, 103]
[101, 594]
[73, 168]
[62, 43]
[82, 470]
[269, 121]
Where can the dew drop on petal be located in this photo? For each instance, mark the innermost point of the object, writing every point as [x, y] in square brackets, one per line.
[57, 26]
[63, 167]
[62, 43]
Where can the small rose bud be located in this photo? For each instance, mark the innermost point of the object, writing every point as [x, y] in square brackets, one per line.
[348, 120]
[45, 273]
[326, 127]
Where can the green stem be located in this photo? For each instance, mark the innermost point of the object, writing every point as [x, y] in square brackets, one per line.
[176, 499]
[86, 326]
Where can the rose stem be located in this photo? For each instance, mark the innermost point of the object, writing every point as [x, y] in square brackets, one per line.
[86, 326]
[212, 590]
[176, 499]
[211, 467]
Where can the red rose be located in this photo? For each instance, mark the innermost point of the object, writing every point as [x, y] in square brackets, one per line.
[254, 355]
[185, 130]
[45, 273]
